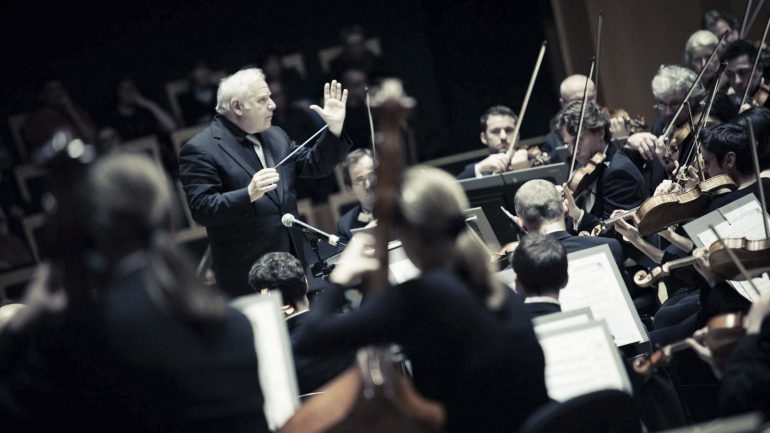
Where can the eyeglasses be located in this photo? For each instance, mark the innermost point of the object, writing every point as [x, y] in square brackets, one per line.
[661, 105]
[361, 181]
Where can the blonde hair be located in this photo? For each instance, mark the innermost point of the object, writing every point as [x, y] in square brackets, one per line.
[431, 203]
[237, 87]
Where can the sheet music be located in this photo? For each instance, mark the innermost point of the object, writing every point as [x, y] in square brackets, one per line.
[277, 376]
[743, 222]
[566, 319]
[593, 283]
[582, 359]
[404, 270]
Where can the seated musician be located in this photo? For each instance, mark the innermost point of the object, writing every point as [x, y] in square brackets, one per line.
[540, 264]
[697, 51]
[469, 339]
[540, 209]
[497, 126]
[358, 174]
[669, 88]
[618, 183]
[284, 272]
[570, 89]
[740, 56]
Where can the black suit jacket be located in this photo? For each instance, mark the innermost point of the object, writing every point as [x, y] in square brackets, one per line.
[620, 186]
[216, 167]
[469, 172]
[573, 243]
[348, 222]
[537, 309]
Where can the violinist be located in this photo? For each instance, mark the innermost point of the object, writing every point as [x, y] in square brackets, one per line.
[497, 126]
[669, 88]
[718, 22]
[570, 89]
[540, 264]
[696, 53]
[740, 56]
[618, 183]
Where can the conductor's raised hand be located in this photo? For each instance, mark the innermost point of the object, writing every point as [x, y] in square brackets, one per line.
[263, 181]
[333, 112]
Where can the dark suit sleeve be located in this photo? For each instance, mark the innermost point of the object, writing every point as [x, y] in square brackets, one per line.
[320, 160]
[209, 204]
[622, 190]
[746, 382]
[469, 172]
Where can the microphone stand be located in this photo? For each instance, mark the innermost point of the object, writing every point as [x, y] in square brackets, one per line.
[321, 268]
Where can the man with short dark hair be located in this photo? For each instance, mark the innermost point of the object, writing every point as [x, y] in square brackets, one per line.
[540, 264]
[497, 126]
[359, 176]
[740, 56]
[283, 272]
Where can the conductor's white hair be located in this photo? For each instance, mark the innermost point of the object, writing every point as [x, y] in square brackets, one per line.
[237, 87]
[674, 80]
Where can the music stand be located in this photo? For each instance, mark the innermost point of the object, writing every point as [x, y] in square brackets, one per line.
[487, 193]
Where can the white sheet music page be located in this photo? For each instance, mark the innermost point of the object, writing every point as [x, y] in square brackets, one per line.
[580, 360]
[592, 283]
[743, 222]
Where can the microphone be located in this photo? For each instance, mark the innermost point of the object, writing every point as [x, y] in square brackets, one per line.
[288, 220]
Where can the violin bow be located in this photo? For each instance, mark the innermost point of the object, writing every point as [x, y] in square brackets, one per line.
[756, 62]
[517, 128]
[371, 122]
[753, 17]
[754, 157]
[744, 27]
[695, 148]
[582, 115]
[598, 51]
[670, 126]
[735, 260]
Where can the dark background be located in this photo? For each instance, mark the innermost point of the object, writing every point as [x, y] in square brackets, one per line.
[456, 58]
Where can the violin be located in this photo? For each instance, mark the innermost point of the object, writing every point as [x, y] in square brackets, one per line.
[753, 255]
[632, 124]
[760, 96]
[584, 176]
[722, 334]
[500, 258]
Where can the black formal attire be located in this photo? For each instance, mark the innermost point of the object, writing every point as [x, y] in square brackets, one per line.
[198, 104]
[216, 167]
[537, 309]
[469, 172]
[619, 186]
[123, 364]
[352, 219]
[746, 381]
[140, 123]
[573, 243]
[486, 367]
[314, 372]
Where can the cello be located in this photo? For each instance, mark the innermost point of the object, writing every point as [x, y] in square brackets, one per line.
[372, 395]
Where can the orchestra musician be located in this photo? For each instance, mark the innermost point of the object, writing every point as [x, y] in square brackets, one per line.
[359, 176]
[540, 264]
[497, 126]
[618, 185]
[469, 339]
[740, 56]
[229, 173]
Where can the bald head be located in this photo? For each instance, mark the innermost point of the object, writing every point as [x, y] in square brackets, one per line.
[571, 89]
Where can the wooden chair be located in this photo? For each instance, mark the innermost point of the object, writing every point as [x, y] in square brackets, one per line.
[181, 136]
[15, 122]
[306, 211]
[339, 201]
[326, 55]
[148, 144]
[30, 224]
[25, 173]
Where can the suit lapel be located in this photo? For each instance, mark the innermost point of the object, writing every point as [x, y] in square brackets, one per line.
[244, 156]
[272, 157]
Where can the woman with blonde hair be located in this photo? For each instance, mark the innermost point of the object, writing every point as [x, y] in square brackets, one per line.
[469, 338]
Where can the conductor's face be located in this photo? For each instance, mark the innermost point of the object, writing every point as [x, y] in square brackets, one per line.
[256, 113]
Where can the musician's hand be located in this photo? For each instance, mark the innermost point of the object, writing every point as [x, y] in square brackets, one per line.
[333, 112]
[703, 268]
[496, 163]
[618, 128]
[629, 232]
[569, 201]
[744, 107]
[356, 260]
[264, 180]
[520, 160]
[644, 143]
[667, 187]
